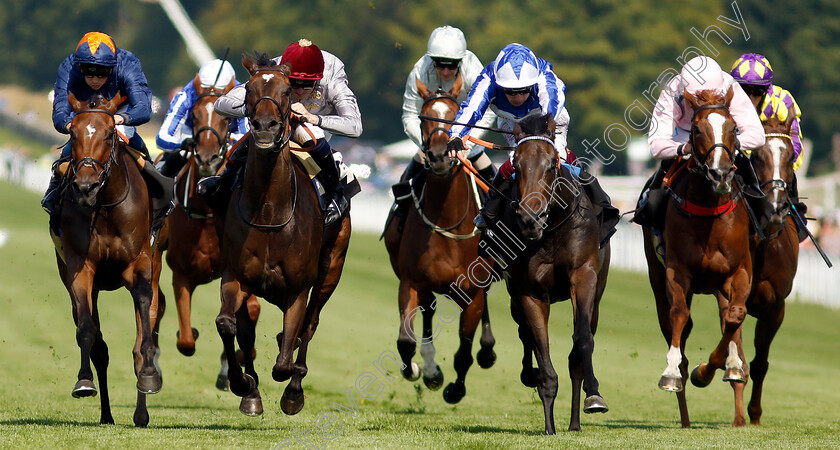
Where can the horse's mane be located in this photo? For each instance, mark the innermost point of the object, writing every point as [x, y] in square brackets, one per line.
[535, 125]
[95, 100]
[709, 97]
[262, 60]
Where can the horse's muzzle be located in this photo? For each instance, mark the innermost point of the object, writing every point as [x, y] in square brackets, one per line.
[86, 192]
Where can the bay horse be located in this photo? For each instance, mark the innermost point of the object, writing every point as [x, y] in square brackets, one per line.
[707, 251]
[437, 252]
[553, 224]
[775, 257]
[105, 245]
[193, 246]
[274, 244]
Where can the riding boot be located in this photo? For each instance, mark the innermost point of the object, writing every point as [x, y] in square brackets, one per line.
[402, 190]
[647, 207]
[171, 163]
[494, 207]
[745, 169]
[793, 195]
[161, 190]
[50, 196]
[215, 189]
[323, 155]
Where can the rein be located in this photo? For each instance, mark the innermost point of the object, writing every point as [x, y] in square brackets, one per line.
[446, 231]
[223, 140]
[273, 227]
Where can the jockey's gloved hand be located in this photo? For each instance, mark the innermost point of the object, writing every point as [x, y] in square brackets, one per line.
[454, 145]
[188, 144]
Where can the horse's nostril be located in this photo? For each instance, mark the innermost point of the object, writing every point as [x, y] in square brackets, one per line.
[273, 124]
[256, 125]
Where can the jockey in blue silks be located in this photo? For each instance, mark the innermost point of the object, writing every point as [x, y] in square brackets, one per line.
[98, 66]
[175, 136]
[515, 85]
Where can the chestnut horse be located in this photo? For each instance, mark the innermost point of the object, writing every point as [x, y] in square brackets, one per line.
[437, 252]
[192, 250]
[105, 245]
[775, 258]
[274, 244]
[560, 258]
[707, 251]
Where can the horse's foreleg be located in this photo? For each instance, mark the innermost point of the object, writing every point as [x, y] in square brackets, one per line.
[432, 375]
[139, 278]
[529, 375]
[765, 330]
[232, 299]
[536, 313]
[675, 312]
[407, 341]
[99, 357]
[251, 404]
[470, 317]
[486, 357]
[80, 286]
[184, 288]
[293, 318]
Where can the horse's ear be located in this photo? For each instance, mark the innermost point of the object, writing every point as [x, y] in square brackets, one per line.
[456, 88]
[422, 89]
[690, 98]
[74, 103]
[790, 118]
[729, 94]
[517, 132]
[249, 64]
[550, 125]
[197, 83]
[285, 68]
[229, 86]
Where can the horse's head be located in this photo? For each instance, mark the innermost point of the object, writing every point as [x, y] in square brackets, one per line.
[442, 105]
[210, 129]
[537, 172]
[94, 144]
[773, 165]
[268, 102]
[713, 138]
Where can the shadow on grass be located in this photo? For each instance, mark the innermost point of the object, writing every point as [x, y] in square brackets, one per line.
[77, 423]
[640, 425]
[481, 429]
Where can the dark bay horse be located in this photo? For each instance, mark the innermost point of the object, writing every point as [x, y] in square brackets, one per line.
[437, 252]
[105, 245]
[557, 233]
[707, 251]
[774, 259]
[193, 246]
[275, 245]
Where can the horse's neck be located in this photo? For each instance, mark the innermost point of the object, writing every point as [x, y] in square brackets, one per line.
[699, 192]
[268, 181]
[116, 185]
[447, 197]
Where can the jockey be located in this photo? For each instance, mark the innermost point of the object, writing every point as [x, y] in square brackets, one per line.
[175, 137]
[755, 75]
[100, 67]
[446, 57]
[321, 96]
[670, 128]
[513, 86]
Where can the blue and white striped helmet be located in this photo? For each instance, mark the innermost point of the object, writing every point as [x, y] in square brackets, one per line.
[516, 67]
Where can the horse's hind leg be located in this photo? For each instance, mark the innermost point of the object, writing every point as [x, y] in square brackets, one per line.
[765, 330]
[486, 357]
[584, 307]
[251, 404]
[470, 317]
[432, 375]
[293, 318]
[409, 300]
[149, 379]
[536, 315]
[100, 359]
[184, 288]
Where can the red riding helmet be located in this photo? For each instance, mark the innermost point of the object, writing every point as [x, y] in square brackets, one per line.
[306, 59]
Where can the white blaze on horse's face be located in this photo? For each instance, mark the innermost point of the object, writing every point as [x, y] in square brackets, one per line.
[267, 77]
[440, 108]
[209, 108]
[90, 129]
[717, 121]
[777, 145]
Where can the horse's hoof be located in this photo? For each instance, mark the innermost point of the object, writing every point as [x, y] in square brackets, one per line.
[106, 419]
[251, 405]
[454, 392]
[671, 384]
[222, 383]
[735, 374]
[415, 373]
[435, 381]
[529, 377]
[485, 358]
[245, 387]
[186, 350]
[194, 330]
[149, 384]
[84, 388]
[292, 402]
[696, 380]
[141, 418]
[595, 404]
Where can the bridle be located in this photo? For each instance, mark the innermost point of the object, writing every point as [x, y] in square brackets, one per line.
[703, 162]
[224, 141]
[556, 173]
[283, 138]
[89, 161]
[438, 95]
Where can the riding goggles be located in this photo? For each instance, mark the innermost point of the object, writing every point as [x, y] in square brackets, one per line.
[302, 84]
[754, 89]
[518, 91]
[95, 70]
[445, 63]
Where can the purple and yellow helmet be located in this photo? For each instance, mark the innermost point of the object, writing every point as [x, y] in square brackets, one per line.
[752, 68]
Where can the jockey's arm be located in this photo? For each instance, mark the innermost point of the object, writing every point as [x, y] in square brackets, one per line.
[137, 89]
[411, 107]
[232, 104]
[666, 115]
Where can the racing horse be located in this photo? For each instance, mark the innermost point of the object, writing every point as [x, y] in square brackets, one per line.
[105, 245]
[707, 251]
[561, 256]
[274, 244]
[775, 257]
[437, 252]
[192, 248]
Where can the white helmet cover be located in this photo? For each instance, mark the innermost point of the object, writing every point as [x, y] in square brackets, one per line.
[447, 42]
[210, 70]
[701, 73]
[516, 67]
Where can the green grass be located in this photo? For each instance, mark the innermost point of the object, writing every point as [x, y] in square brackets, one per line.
[40, 361]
